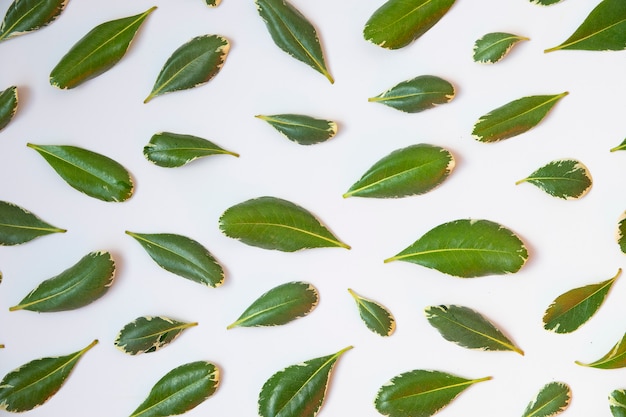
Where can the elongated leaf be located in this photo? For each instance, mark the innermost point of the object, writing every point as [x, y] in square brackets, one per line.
[494, 46]
[77, 286]
[420, 393]
[617, 403]
[514, 118]
[417, 94]
[180, 390]
[148, 334]
[545, 2]
[35, 382]
[614, 359]
[182, 256]
[302, 129]
[25, 16]
[293, 33]
[552, 399]
[97, 52]
[468, 328]
[193, 64]
[376, 317]
[298, 390]
[621, 232]
[573, 308]
[171, 150]
[273, 223]
[8, 105]
[413, 170]
[89, 172]
[467, 248]
[18, 225]
[568, 179]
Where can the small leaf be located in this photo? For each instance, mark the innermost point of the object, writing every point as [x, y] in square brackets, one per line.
[91, 173]
[8, 105]
[568, 179]
[302, 129]
[614, 359]
[298, 390]
[18, 225]
[280, 305]
[574, 308]
[420, 393]
[149, 334]
[416, 95]
[213, 3]
[413, 170]
[621, 232]
[25, 16]
[376, 317]
[191, 65]
[171, 150]
[293, 33]
[35, 382]
[514, 118]
[617, 402]
[468, 328]
[273, 223]
[551, 400]
[492, 47]
[77, 286]
[180, 390]
[97, 51]
[545, 2]
[620, 147]
[182, 256]
[467, 248]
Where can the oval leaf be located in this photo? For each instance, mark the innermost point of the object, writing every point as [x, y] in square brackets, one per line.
[492, 47]
[302, 129]
[149, 334]
[273, 223]
[171, 150]
[568, 179]
[25, 16]
[97, 52]
[376, 317]
[298, 390]
[193, 64]
[91, 173]
[467, 248]
[551, 400]
[413, 170]
[8, 105]
[617, 402]
[416, 95]
[18, 225]
[614, 359]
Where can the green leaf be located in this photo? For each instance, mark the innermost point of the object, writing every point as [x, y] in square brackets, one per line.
[280, 305]
[273, 223]
[302, 129]
[620, 147]
[293, 33]
[18, 225]
[552, 399]
[35, 382]
[467, 248]
[492, 47]
[193, 64]
[80, 285]
[182, 256]
[574, 308]
[8, 105]
[170, 150]
[25, 16]
[545, 2]
[97, 52]
[614, 359]
[416, 95]
[298, 390]
[376, 317]
[149, 334]
[514, 118]
[420, 393]
[603, 30]
[617, 402]
[468, 328]
[621, 232]
[413, 170]
[91, 173]
[397, 23]
[180, 390]
[568, 179]
[213, 3]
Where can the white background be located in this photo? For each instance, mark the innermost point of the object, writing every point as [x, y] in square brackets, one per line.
[571, 243]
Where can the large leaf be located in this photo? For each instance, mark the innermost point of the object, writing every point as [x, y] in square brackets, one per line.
[18, 225]
[568, 179]
[148, 334]
[467, 248]
[492, 47]
[170, 150]
[8, 105]
[273, 223]
[97, 52]
[298, 390]
[302, 129]
[614, 359]
[552, 399]
[375, 316]
[25, 16]
[617, 403]
[417, 94]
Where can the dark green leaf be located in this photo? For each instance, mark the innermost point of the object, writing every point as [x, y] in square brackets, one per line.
[621, 232]
[8, 105]
[25, 16]
[171, 150]
[18, 225]
[416, 95]
[614, 359]
[545, 2]
[564, 178]
[149, 334]
[620, 147]
[551, 400]
[492, 47]
[617, 402]
[376, 317]
[302, 129]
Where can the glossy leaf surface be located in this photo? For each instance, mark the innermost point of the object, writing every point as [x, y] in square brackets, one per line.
[170, 150]
[375, 316]
[148, 334]
[614, 359]
[25, 16]
[494, 46]
[552, 399]
[18, 225]
[568, 179]
[417, 94]
[617, 403]
[302, 129]
[8, 105]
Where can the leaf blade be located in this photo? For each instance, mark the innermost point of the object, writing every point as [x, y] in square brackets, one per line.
[375, 316]
[617, 403]
[568, 179]
[613, 359]
[8, 105]
[170, 150]
[417, 94]
[552, 399]
[18, 225]
[148, 334]
[300, 128]
[493, 47]
[24, 16]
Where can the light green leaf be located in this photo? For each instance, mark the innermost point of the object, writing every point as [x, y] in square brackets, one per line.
[170, 150]
[574, 308]
[621, 232]
[25, 16]
[376, 317]
[96, 52]
[193, 64]
[18, 225]
[551, 400]
[492, 47]
[91, 173]
[568, 179]
[298, 390]
[467, 248]
[302, 129]
[545, 2]
[293, 33]
[468, 328]
[617, 402]
[83, 283]
[213, 3]
[273, 223]
[614, 359]
[8, 105]
[413, 170]
[280, 305]
[619, 147]
[35, 382]
[514, 118]
[180, 390]
[417, 94]
[182, 256]
[149, 334]
[420, 393]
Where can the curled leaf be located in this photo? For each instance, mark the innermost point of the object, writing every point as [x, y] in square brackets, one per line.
[568, 179]
[492, 47]
[617, 403]
[8, 105]
[614, 359]
[376, 317]
[552, 399]
[417, 94]
[18, 225]
[302, 129]
[148, 334]
[171, 150]
[25, 16]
